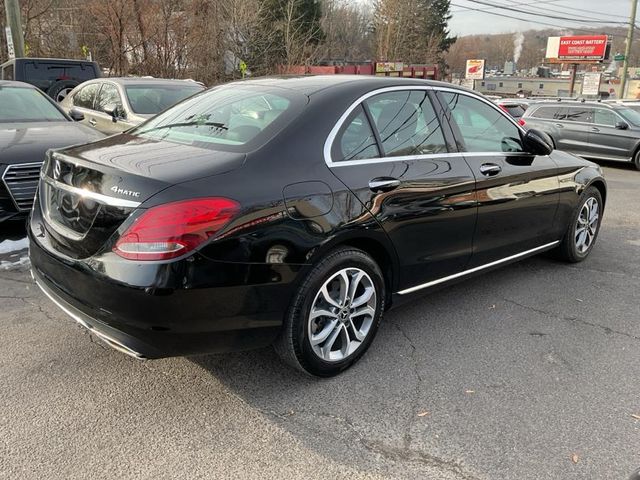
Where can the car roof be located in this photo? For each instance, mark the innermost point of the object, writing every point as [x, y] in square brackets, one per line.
[13, 83]
[311, 84]
[145, 81]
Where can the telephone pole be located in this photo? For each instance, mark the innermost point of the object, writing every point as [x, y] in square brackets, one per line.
[14, 23]
[627, 48]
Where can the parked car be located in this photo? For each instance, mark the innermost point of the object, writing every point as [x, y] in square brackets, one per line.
[112, 105]
[632, 104]
[594, 130]
[514, 107]
[54, 76]
[294, 211]
[30, 124]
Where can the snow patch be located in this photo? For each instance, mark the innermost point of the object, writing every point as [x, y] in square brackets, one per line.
[23, 261]
[8, 246]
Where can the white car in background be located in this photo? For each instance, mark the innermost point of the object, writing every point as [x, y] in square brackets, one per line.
[113, 105]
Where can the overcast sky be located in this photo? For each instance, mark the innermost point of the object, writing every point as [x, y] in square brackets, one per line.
[468, 22]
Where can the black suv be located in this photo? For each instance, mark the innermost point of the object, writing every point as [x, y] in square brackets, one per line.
[56, 77]
[594, 130]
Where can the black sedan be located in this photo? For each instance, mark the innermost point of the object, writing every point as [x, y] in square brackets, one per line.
[30, 124]
[295, 211]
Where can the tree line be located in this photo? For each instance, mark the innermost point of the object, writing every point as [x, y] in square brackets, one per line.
[216, 40]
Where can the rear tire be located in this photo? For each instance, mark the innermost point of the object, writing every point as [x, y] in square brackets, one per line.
[334, 315]
[636, 160]
[59, 90]
[583, 228]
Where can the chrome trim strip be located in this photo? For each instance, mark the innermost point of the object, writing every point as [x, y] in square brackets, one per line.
[116, 345]
[334, 131]
[476, 269]
[105, 199]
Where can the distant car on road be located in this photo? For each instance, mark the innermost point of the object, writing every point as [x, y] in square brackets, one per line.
[30, 124]
[113, 105]
[594, 130]
[54, 76]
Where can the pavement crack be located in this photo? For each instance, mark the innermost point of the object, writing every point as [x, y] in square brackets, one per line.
[416, 395]
[604, 328]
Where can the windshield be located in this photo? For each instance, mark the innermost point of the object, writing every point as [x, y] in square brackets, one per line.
[18, 104]
[630, 114]
[153, 99]
[226, 118]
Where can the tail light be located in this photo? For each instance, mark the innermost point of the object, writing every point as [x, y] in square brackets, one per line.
[522, 123]
[173, 229]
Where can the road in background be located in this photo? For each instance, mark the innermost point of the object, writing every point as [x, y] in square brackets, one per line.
[527, 372]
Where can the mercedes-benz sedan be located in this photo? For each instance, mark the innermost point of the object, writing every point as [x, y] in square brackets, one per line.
[295, 211]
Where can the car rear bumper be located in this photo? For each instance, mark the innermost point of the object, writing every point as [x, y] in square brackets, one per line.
[240, 308]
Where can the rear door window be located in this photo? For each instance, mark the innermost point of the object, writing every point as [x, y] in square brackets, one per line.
[579, 114]
[85, 97]
[547, 112]
[7, 72]
[108, 96]
[355, 140]
[407, 123]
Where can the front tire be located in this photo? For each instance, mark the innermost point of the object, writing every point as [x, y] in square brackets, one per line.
[334, 314]
[584, 227]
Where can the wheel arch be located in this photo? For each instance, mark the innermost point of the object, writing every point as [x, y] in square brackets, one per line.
[378, 246]
[602, 188]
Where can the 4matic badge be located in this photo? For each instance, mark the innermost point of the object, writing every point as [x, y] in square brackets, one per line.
[122, 191]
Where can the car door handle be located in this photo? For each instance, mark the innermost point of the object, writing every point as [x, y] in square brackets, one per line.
[559, 125]
[92, 122]
[384, 184]
[595, 130]
[490, 169]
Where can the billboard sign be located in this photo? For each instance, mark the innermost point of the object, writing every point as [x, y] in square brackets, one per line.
[474, 70]
[388, 67]
[577, 48]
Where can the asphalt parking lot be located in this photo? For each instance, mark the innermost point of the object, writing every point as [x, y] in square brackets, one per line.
[528, 372]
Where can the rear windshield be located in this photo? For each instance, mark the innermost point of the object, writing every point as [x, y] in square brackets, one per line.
[515, 111]
[153, 99]
[18, 104]
[234, 117]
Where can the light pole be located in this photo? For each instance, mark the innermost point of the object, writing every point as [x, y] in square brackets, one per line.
[627, 48]
[14, 23]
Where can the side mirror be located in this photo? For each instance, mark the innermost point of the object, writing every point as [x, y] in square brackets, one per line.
[76, 115]
[537, 142]
[116, 111]
[622, 125]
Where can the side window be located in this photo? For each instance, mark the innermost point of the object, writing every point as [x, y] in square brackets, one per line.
[108, 96]
[355, 140]
[407, 123]
[546, 112]
[579, 114]
[483, 128]
[604, 117]
[85, 96]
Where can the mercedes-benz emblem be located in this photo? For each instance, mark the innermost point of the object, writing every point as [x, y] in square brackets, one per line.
[57, 170]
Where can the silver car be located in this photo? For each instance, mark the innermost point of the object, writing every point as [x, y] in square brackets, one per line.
[112, 105]
[593, 130]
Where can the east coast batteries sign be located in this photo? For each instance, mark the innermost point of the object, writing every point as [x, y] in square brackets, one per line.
[577, 48]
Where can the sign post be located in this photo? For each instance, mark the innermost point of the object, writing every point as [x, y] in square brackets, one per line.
[10, 50]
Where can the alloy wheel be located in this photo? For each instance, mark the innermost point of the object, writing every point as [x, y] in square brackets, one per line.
[342, 314]
[587, 225]
[62, 94]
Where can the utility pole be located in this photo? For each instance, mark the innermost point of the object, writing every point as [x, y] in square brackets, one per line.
[627, 48]
[14, 23]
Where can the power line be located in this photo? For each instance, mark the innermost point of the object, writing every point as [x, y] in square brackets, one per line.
[553, 17]
[538, 22]
[590, 11]
[519, 4]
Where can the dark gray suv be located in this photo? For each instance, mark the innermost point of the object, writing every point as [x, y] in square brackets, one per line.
[593, 130]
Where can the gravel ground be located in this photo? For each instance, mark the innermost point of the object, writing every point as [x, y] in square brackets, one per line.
[528, 372]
